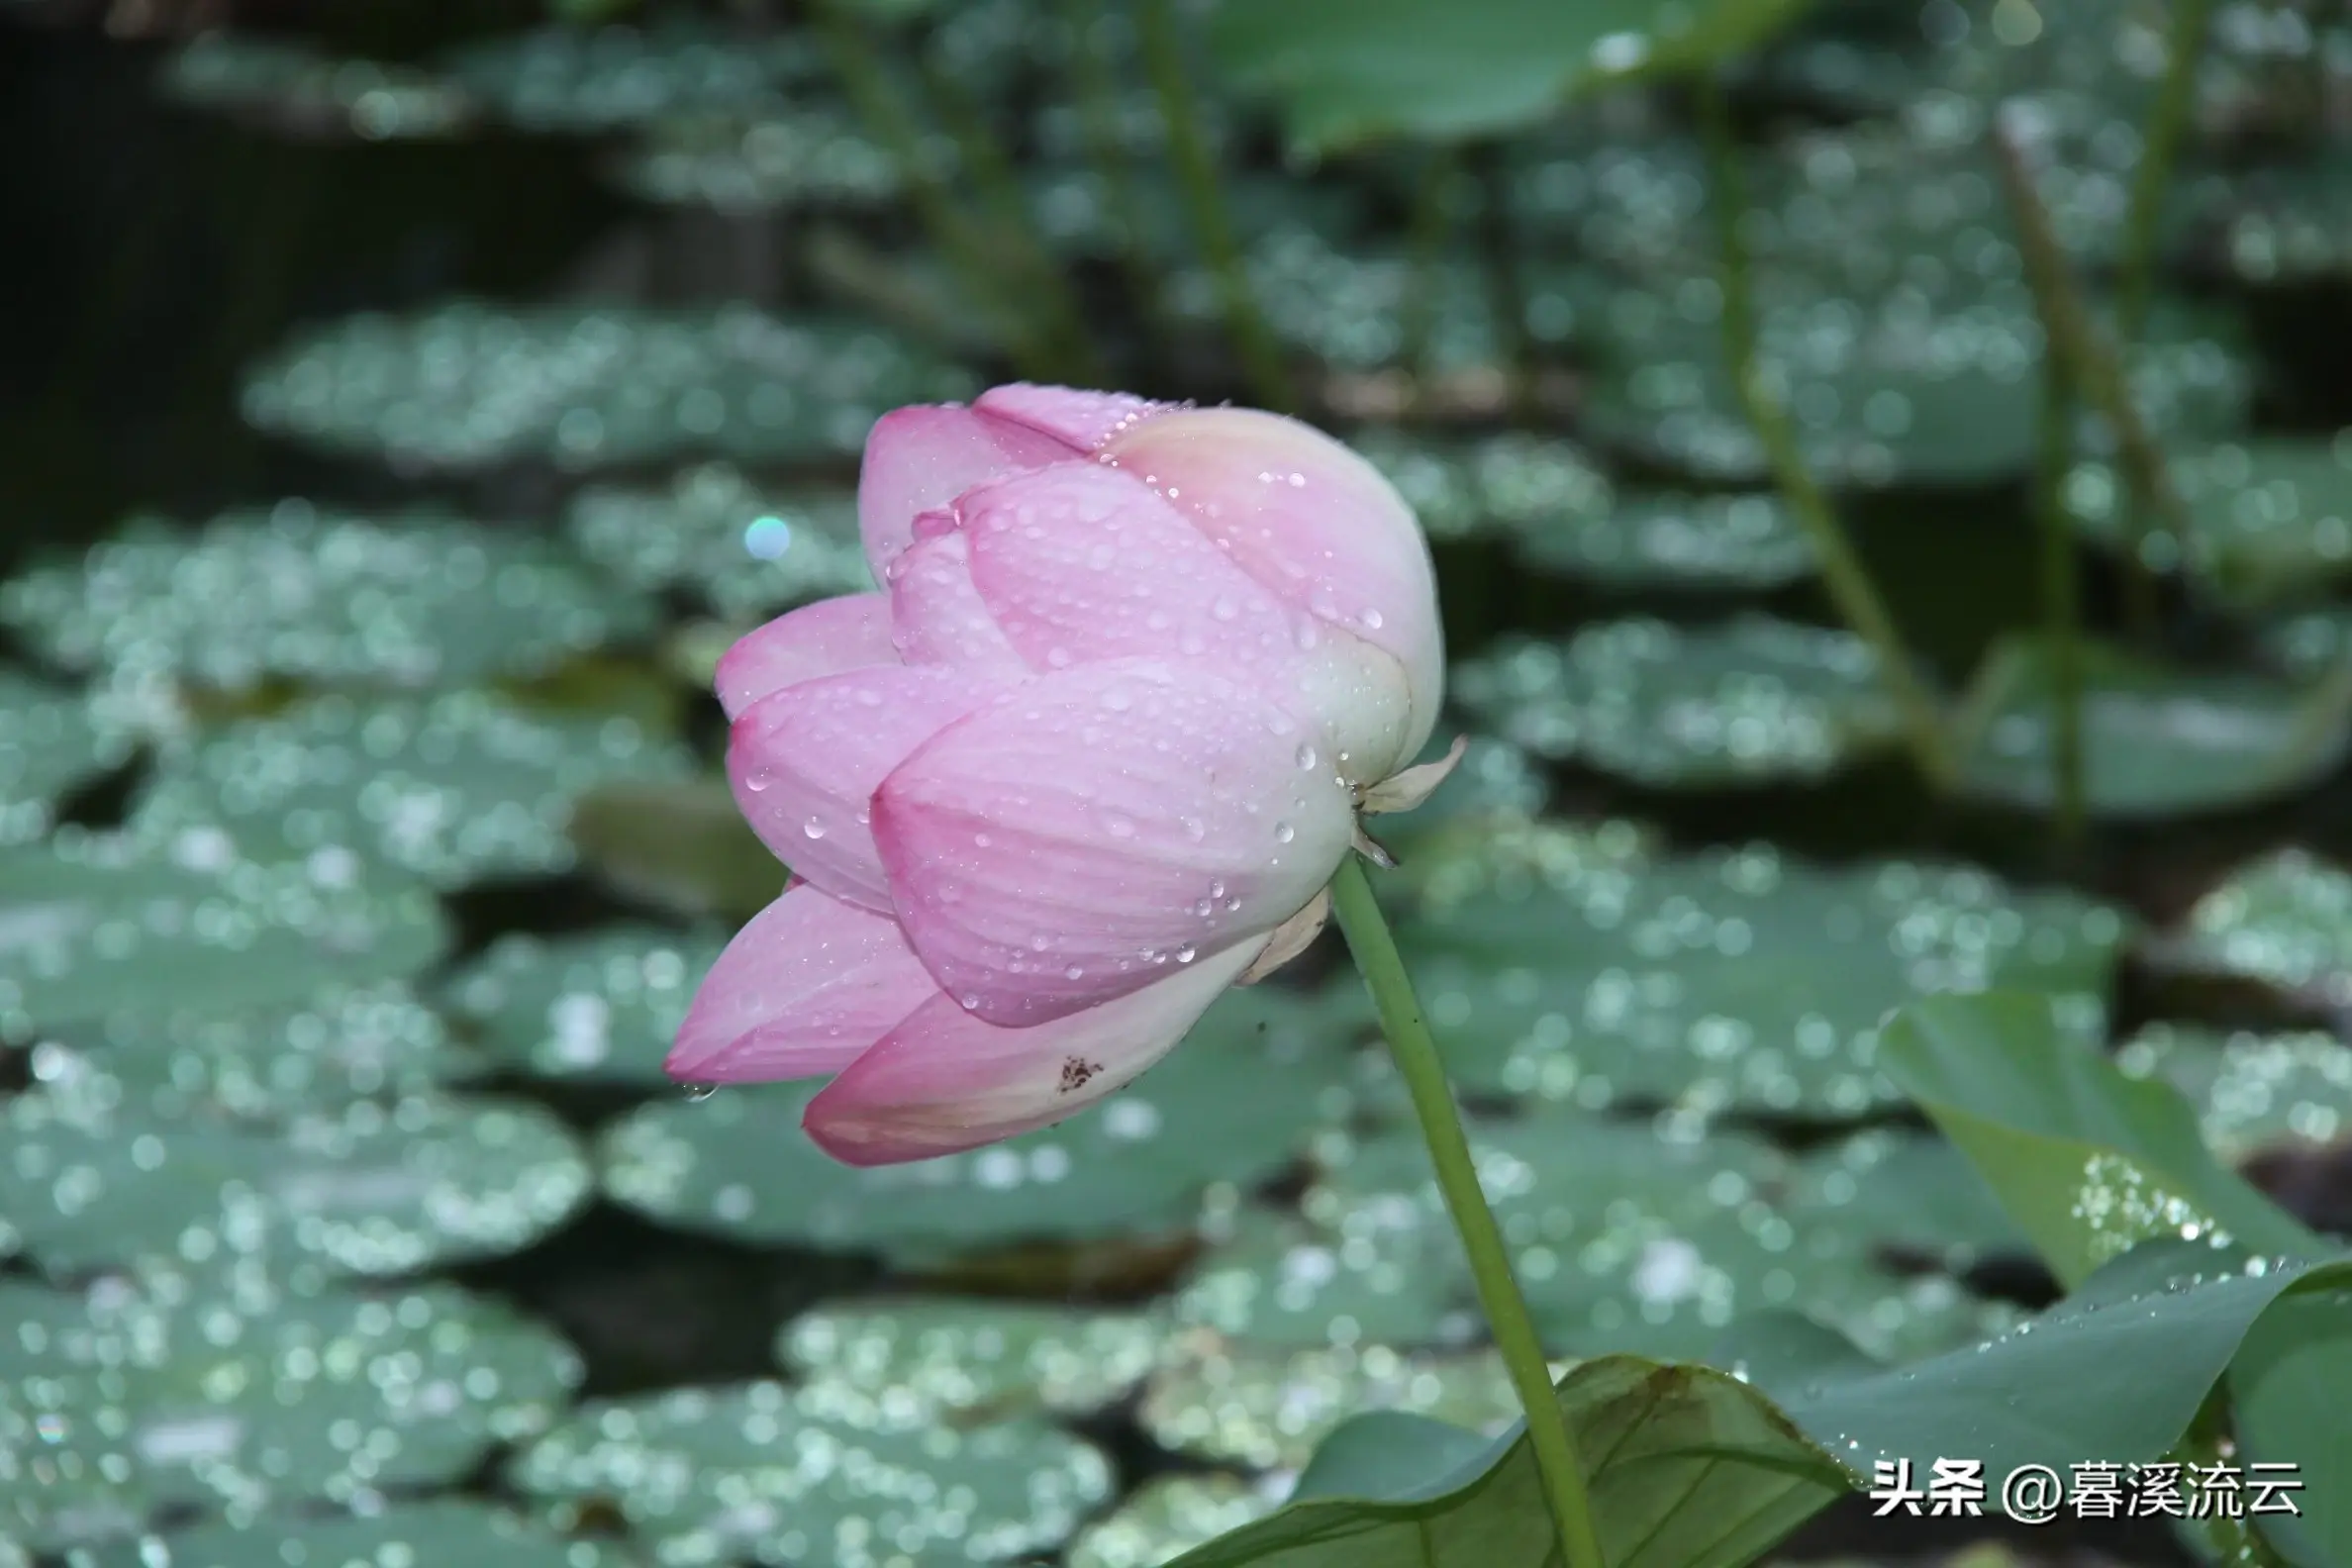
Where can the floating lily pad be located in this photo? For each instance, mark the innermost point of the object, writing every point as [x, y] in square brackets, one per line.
[2252, 1092]
[447, 1532]
[50, 740]
[737, 1163]
[2285, 920]
[1731, 979]
[746, 1474]
[296, 88]
[1347, 73]
[601, 1006]
[122, 1400]
[347, 1043]
[2314, 643]
[1508, 854]
[1270, 1409]
[747, 551]
[96, 1179]
[2282, 227]
[586, 80]
[1904, 387]
[813, 157]
[891, 1365]
[1628, 1237]
[102, 926]
[468, 385]
[1748, 701]
[2268, 520]
[454, 789]
[414, 599]
[2156, 742]
[1168, 1515]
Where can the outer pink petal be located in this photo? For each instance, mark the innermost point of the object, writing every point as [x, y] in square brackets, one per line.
[1104, 826]
[1083, 419]
[801, 991]
[805, 763]
[943, 1081]
[921, 457]
[1080, 563]
[937, 612]
[1310, 520]
[823, 639]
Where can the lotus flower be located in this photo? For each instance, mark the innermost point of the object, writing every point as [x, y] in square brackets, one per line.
[1089, 757]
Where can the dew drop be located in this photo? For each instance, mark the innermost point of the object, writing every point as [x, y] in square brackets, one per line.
[1306, 758]
[1186, 955]
[758, 779]
[1119, 825]
[814, 826]
[1075, 972]
[1372, 621]
[1283, 832]
[699, 1092]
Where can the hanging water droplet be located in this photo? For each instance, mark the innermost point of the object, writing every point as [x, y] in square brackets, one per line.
[1186, 955]
[699, 1092]
[814, 826]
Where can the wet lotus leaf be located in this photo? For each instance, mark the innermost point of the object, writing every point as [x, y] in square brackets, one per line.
[346, 1043]
[124, 1399]
[1289, 1284]
[2285, 920]
[470, 385]
[683, 845]
[2156, 742]
[453, 788]
[1345, 74]
[1731, 979]
[94, 1177]
[293, 86]
[2284, 225]
[1270, 1409]
[782, 160]
[904, 1364]
[603, 1005]
[747, 1474]
[1901, 384]
[1509, 857]
[432, 1532]
[587, 81]
[2314, 643]
[2269, 520]
[2252, 1092]
[100, 925]
[1232, 1107]
[744, 550]
[1077, 211]
[50, 740]
[1628, 1237]
[311, 594]
[1167, 1516]
[1906, 1193]
[1747, 701]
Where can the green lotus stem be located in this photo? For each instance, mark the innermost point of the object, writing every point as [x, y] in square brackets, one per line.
[1097, 94]
[2061, 603]
[890, 122]
[2137, 287]
[1850, 589]
[2095, 371]
[1418, 1063]
[1000, 193]
[1204, 199]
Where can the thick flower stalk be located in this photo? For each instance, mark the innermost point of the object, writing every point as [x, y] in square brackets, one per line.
[1091, 756]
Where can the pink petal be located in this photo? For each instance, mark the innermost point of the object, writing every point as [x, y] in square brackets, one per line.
[1310, 520]
[805, 763]
[943, 1081]
[1083, 418]
[1080, 563]
[804, 988]
[823, 639]
[1102, 826]
[937, 610]
[921, 457]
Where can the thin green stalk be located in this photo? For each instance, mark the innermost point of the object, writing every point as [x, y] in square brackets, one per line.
[2061, 603]
[1097, 93]
[1016, 239]
[1507, 286]
[1204, 198]
[2135, 289]
[889, 121]
[2094, 371]
[1847, 579]
[1423, 1073]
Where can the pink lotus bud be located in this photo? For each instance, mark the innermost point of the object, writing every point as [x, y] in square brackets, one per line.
[1088, 757]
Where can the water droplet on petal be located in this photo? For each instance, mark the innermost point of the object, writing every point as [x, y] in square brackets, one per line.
[700, 1091]
[1307, 756]
[758, 779]
[1283, 832]
[814, 827]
